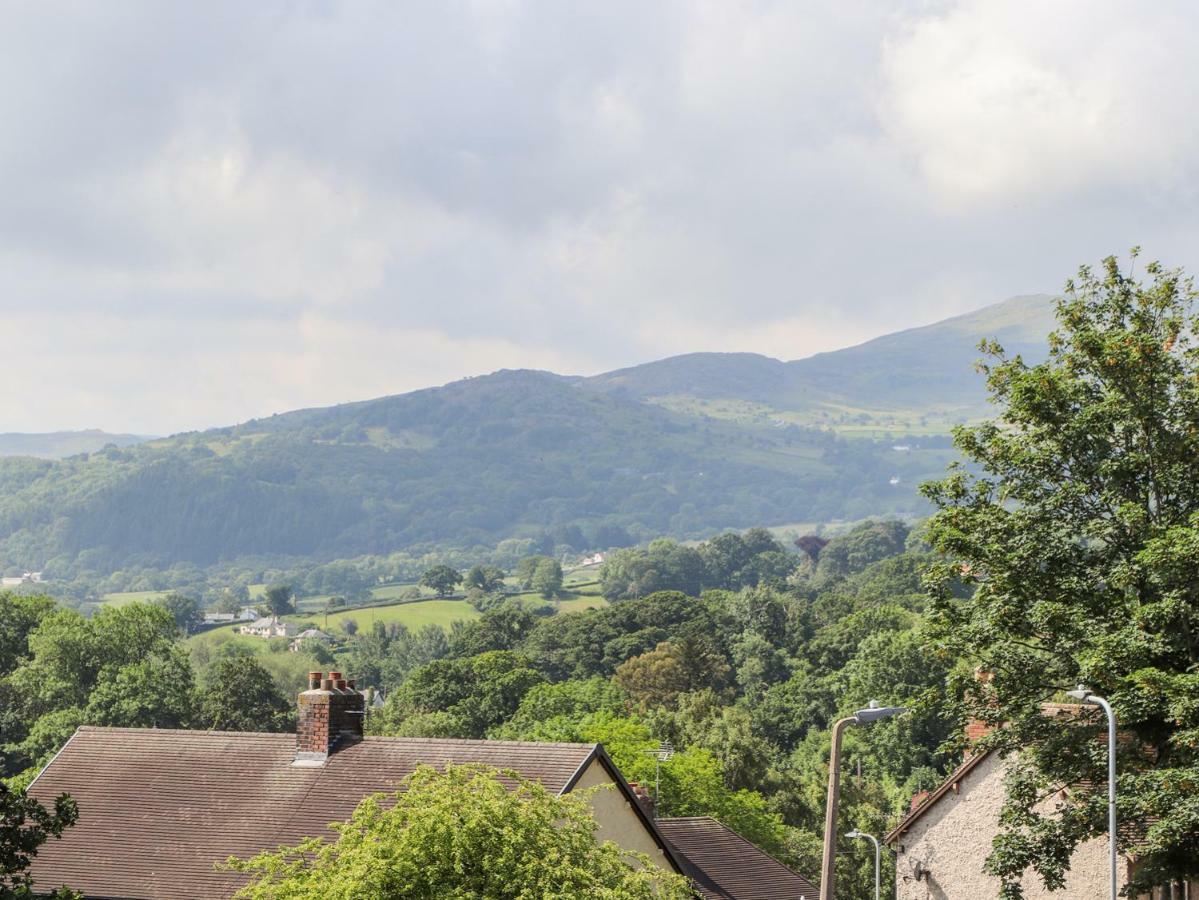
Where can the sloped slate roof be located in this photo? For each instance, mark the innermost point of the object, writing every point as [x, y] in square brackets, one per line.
[725, 866]
[157, 808]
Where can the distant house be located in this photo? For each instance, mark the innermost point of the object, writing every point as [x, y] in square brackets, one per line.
[219, 618]
[23, 578]
[594, 560]
[202, 796]
[269, 627]
[309, 634]
[942, 843]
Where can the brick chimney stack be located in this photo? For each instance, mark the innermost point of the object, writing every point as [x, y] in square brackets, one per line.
[330, 716]
[977, 729]
[644, 800]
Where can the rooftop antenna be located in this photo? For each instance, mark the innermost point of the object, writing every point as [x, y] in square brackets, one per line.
[662, 753]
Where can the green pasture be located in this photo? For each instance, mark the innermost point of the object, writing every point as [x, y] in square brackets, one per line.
[121, 598]
[414, 616]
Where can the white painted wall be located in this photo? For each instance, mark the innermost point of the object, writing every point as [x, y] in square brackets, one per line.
[618, 821]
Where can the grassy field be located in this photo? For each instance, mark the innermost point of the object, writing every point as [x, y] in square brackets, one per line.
[581, 603]
[414, 615]
[123, 597]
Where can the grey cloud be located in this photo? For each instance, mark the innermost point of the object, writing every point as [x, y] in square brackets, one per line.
[577, 185]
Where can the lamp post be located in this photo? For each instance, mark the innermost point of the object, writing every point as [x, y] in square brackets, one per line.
[872, 713]
[878, 852]
[1084, 695]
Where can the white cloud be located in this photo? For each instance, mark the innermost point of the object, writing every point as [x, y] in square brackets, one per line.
[224, 211]
[1023, 99]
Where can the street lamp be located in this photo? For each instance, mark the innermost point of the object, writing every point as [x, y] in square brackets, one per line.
[878, 851]
[1084, 694]
[871, 713]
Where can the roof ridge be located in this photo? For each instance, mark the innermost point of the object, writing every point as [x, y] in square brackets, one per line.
[118, 729]
[966, 767]
[127, 729]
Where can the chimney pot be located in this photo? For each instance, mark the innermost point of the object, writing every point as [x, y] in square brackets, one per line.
[328, 718]
[350, 682]
[314, 680]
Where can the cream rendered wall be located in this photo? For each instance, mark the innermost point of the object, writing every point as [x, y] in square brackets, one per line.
[953, 839]
[617, 820]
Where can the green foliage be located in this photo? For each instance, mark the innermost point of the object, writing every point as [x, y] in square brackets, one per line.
[442, 579]
[462, 834]
[511, 457]
[466, 696]
[19, 615]
[867, 543]
[24, 826]
[154, 692]
[484, 578]
[730, 561]
[240, 695]
[547, 578]
[548, 708]
[1075, 529]
[657, 677]
[186, 611]
[280, 599]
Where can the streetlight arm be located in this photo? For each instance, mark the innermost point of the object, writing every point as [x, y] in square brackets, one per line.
[878, 852]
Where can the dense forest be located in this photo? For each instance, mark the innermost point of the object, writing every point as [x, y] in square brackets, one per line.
[740, 654]
[506, 456]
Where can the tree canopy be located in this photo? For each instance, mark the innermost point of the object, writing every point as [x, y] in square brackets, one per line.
[1075, 532]
[462, 834]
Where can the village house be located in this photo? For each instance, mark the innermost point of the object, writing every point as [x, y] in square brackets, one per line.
[942, 843]
[269, 627]
[158, 808]
[23, 578]
[309, 634]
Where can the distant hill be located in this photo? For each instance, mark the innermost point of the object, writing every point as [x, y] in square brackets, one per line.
[684, 446]
[920, 379]
[59, 444]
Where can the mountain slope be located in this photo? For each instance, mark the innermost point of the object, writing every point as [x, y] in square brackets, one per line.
[894, 381]
[928, 365]
[513, 454]
[57, 444]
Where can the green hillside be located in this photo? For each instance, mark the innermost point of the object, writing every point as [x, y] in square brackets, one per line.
[686, 447]
[920, 381]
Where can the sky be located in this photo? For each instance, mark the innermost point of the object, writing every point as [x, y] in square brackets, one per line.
[215, 211]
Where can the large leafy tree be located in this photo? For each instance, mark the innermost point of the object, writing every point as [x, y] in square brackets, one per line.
[442, 579]
[1077, 528]
[24, 826]
[187, 611]
[240, 695]
[459, 697]
[460, 834]
[280, 599]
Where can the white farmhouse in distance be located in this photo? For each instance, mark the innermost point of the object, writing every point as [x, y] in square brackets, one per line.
[269, 627]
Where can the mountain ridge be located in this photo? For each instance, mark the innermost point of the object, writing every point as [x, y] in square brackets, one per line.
[686, 446]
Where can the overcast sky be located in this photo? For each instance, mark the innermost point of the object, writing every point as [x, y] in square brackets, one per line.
[214, 211]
